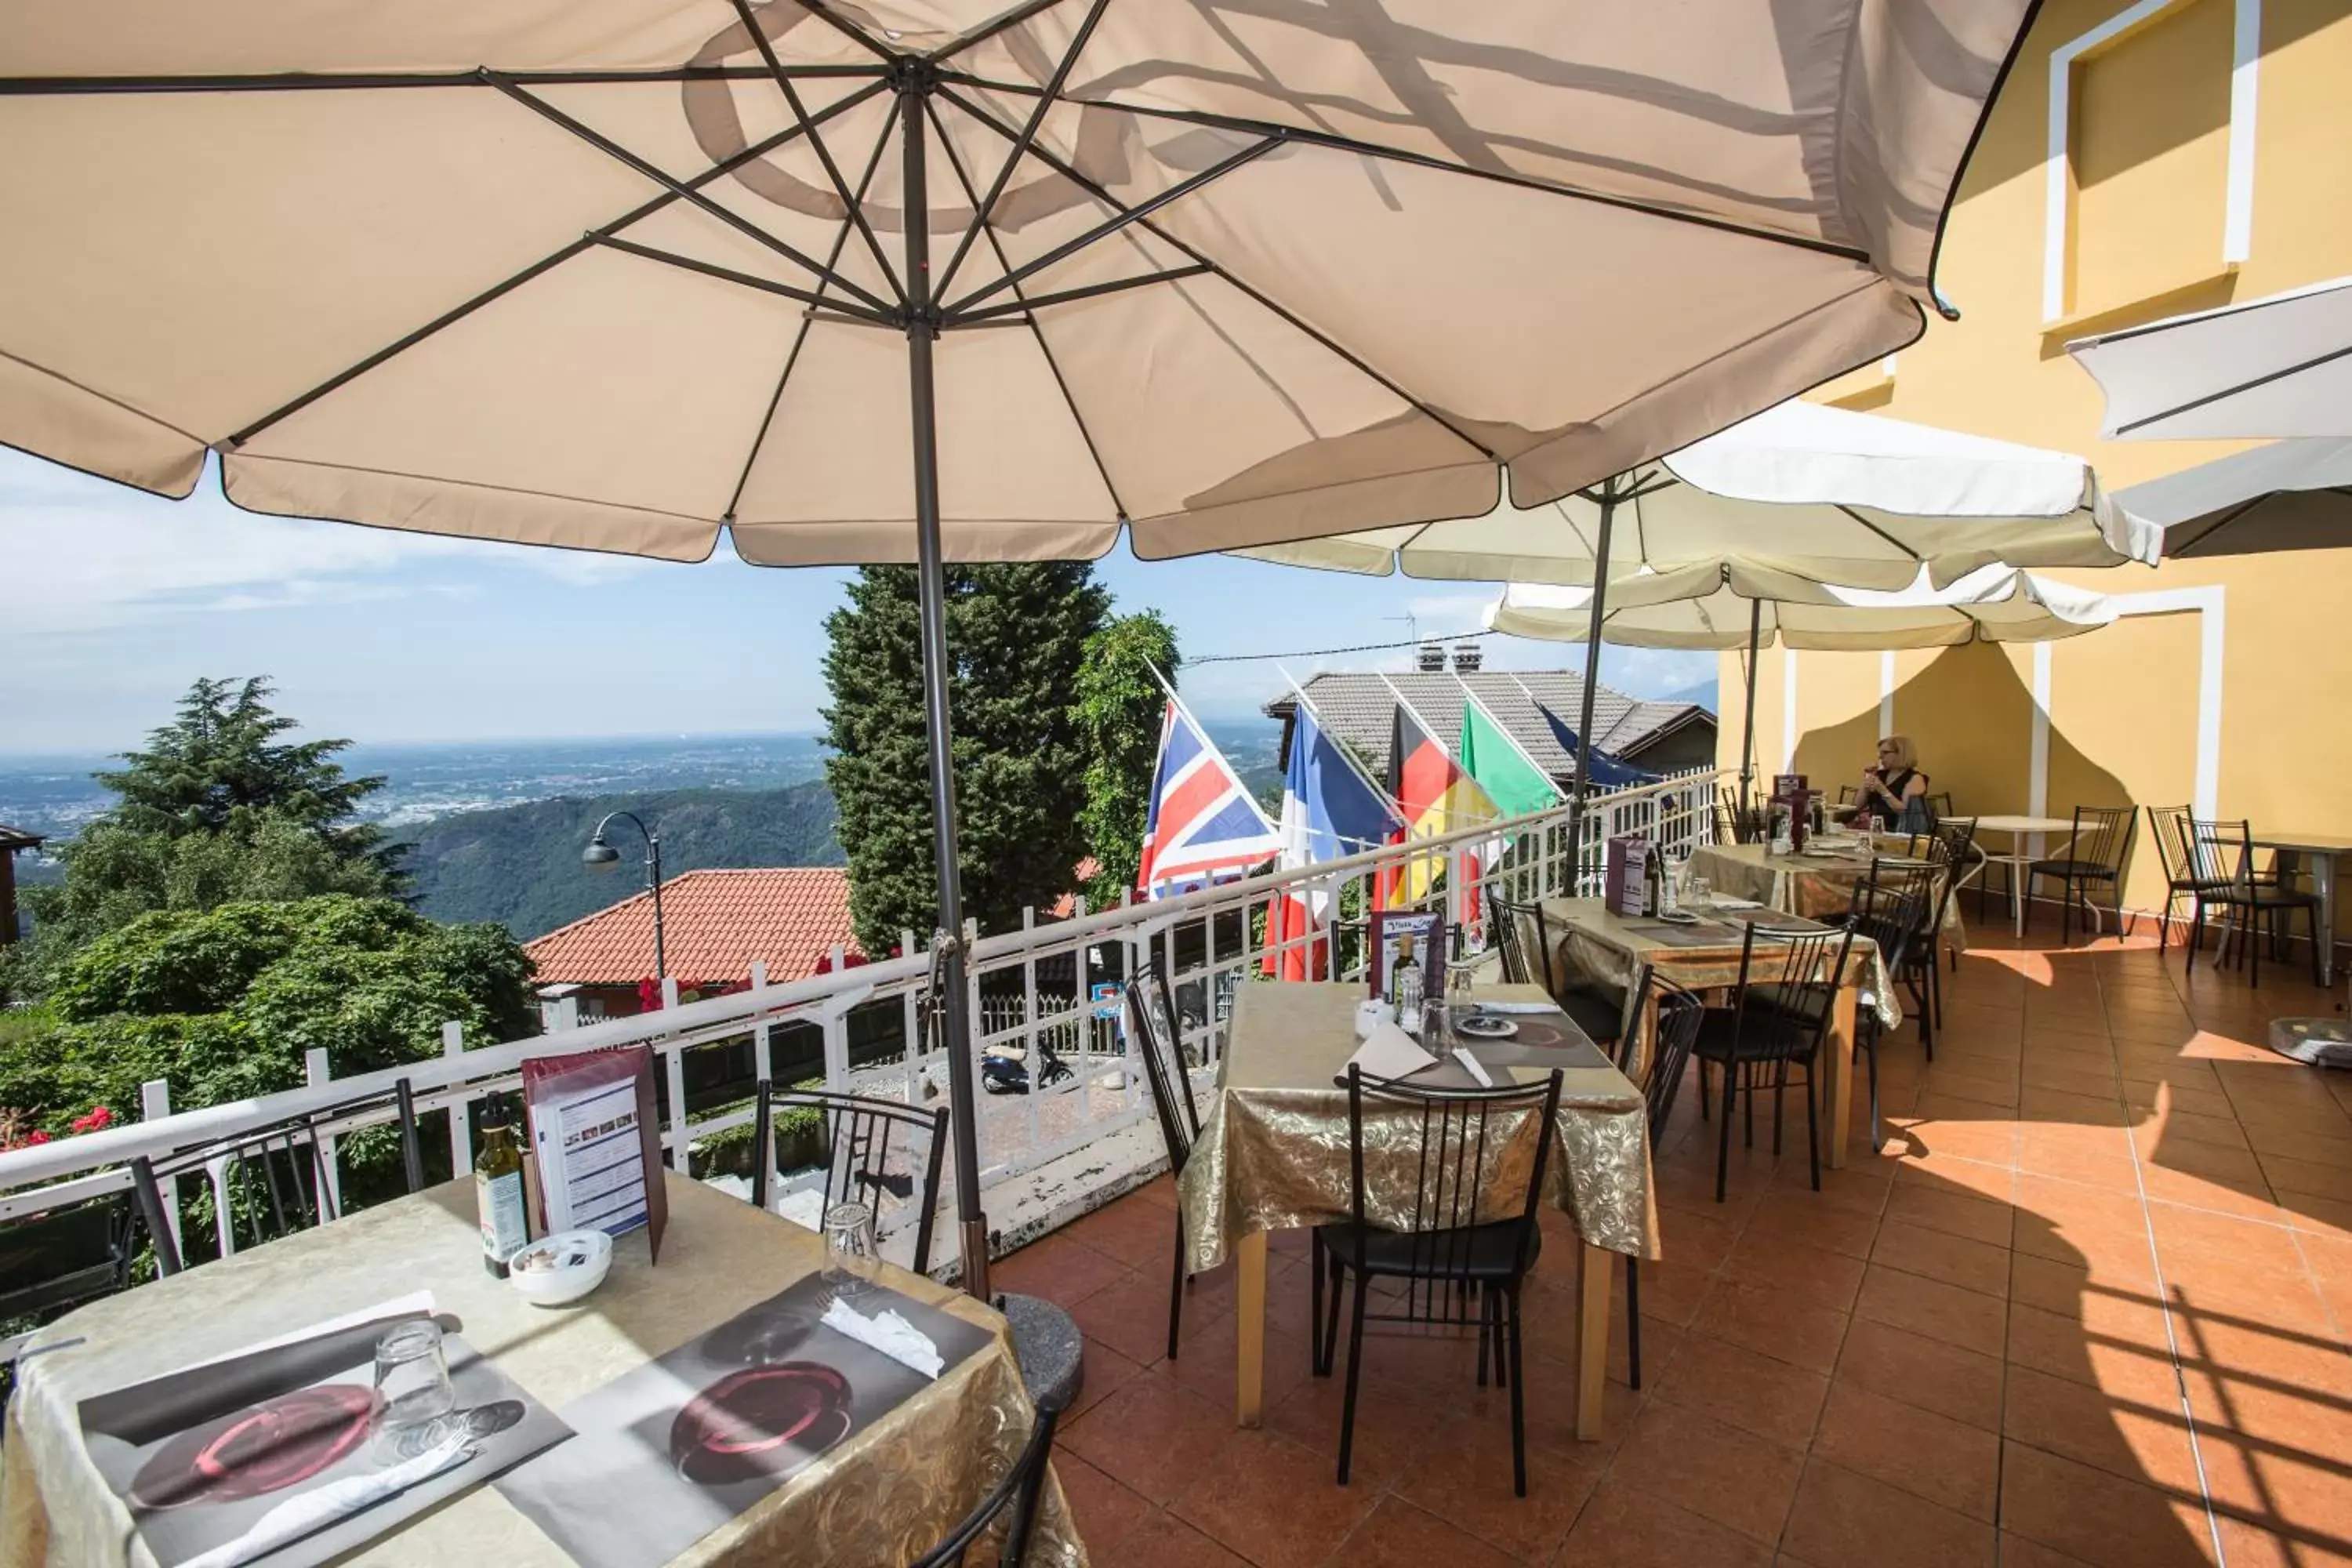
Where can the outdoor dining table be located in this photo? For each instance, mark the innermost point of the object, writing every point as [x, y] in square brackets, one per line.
[1815, 884]
[883, 1495]
[1594, 941]
[2322, 850]
[2020, 855]
[1274, 1154]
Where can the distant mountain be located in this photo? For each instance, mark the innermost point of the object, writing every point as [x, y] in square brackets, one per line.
[1702, 694]
[1254, 746]
[520, 865]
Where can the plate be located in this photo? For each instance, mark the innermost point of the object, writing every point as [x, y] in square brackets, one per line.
[1479, 1026]
[1680, 918]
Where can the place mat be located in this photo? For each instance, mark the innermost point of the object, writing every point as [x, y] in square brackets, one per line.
[675, 1448]
[1706, 933]
[200, 1455]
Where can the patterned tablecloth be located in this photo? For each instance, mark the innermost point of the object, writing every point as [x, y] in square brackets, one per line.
[1814, 886]
[1274, 1146]
[883, 1498]
[1587, 940]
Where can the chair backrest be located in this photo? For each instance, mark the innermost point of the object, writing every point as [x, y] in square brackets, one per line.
[1897, 912]
[1501, 923]
[1805, 970]
[2103, 836]
[1737, 823]
[1526, 944]
[1460, 1178]
[1013, 1500]
[1152, 1031]
[1939, 804]
[1847, 795]
[2168, 826]
[881, 1152]
[276, 1179]
[2219, 852]
[63, 1257]
[1631, 1048]
[1680, 1013]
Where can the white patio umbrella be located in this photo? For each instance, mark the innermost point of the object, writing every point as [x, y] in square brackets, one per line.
[2275, 367]
[1992, 603]
[1776, 507]
[625, 275]
[2288, 495]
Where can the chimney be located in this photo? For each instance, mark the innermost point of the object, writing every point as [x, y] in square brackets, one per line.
[1466, 658]
[1432, 659]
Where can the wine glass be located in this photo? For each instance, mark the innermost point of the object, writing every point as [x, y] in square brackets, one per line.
[849, 1248]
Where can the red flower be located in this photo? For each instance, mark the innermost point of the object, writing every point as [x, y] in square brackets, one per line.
[35, 1136]
[100, 1116]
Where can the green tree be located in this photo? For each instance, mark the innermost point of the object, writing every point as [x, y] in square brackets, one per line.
[1016, 637]
[217, 809]
[1118, 702]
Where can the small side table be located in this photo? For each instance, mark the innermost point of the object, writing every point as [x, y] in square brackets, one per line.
[2021, 855]
[2321, 850]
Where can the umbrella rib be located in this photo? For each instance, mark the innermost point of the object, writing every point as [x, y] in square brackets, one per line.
[732, 219]
[1354, 360]
[459, 312]
[800, 335]
[816, 301]
[1334, 142]
[1119, 220]
[1045, 100]
[333, 81]
[2189, 546]
[1035, 331]
[1070, 296]
[988, 30]
[2196, 403]
[832, 170]
[825, 13]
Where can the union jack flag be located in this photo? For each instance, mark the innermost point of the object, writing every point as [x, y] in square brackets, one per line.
[1204, 826]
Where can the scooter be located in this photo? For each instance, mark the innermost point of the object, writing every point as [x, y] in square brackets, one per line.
[1003, 1074]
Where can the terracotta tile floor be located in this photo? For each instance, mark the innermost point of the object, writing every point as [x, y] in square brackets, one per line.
[2091, 1305]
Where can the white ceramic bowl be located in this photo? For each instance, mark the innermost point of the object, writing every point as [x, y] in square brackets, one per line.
[580, 1261]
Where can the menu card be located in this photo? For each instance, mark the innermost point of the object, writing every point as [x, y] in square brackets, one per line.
[596, 1137]
[1625, 882]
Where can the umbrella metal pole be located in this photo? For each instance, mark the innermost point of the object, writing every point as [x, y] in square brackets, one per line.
[915, 79]
[1599, 611]
[1747, 741]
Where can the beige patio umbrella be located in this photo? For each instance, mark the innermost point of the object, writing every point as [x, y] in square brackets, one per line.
[625, 275]
[1682, 610]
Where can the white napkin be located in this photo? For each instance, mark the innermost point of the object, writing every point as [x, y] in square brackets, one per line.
[1519, 1006]
[1721, 902]
[1470, 1065]
[888, 1332]
[300, 1516]
[1389, 1052]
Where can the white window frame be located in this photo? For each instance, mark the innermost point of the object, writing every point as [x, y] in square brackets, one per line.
[2058, 168]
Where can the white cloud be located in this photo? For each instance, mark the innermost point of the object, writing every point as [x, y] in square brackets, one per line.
[85, 554]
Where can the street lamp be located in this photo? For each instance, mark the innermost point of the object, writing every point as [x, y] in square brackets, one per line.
[602, 857]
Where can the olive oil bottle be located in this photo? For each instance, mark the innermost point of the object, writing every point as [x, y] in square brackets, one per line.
[499, 1197]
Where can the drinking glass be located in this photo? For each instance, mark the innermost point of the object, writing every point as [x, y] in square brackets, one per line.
[849, 1248]
[1458, 991]
[1696, 891]
[413, 1395]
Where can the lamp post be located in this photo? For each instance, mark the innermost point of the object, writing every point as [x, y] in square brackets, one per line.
[602, 857]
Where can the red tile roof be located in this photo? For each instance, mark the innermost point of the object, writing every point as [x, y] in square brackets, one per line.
[714, 923]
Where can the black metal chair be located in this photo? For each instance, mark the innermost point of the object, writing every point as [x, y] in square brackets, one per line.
[2222, 863]
[884, 1153]
[1778, 1023]
[1151, 1025]
[2101, 841]
[276, 1178]
[1013, 1501]
[2183, 877]
[1450, 1258]
[1679, 1014]
[1737, 823]
[1898, 918]
[53, 1261]
[1597, 1008]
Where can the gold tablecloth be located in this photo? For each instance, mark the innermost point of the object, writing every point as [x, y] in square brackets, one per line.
[1274, 1146]
[1587, 940]
[1813, 886]
[883, 1498]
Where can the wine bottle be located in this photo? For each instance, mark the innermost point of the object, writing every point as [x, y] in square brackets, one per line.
[497, 1197]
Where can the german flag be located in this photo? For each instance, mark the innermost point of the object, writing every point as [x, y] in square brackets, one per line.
[1436, 797]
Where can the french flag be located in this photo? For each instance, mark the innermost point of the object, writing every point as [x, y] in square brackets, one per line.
[1202, 825]
[1329, 811]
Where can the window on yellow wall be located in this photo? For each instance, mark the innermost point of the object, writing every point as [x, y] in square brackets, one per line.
[2151, 147]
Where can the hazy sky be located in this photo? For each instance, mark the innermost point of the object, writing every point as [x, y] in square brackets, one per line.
[112, 601]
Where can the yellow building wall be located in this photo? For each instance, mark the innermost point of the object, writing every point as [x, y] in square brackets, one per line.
[2148, 140]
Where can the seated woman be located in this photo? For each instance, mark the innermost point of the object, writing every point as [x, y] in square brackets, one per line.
[1896, 791]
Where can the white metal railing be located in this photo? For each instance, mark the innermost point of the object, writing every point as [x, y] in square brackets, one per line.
[1030, 991]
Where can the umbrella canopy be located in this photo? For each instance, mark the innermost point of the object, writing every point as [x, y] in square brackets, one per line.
[590, 273]
[2289, 495]
[2278, 366]
[1799, 494]
[1994, 604]
[919, 279]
